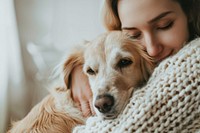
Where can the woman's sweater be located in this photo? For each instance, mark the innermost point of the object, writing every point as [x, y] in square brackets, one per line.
[169, 102]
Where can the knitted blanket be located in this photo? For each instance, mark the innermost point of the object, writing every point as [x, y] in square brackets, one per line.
[169, 102]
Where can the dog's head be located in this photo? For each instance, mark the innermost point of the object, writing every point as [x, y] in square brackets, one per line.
[115, 65]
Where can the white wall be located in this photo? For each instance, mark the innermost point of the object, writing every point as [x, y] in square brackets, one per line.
[47, 30]
[64, 21]
[53, 26]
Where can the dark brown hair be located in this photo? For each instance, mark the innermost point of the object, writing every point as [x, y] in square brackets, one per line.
[192, 11]
[191, 8]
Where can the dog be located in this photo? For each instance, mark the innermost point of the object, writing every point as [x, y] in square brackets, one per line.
[115, 64]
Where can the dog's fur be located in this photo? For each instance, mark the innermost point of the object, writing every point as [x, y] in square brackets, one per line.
[102, 61]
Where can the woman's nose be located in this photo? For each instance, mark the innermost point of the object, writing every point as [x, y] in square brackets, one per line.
[153, 46]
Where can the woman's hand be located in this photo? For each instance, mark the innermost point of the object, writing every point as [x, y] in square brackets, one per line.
[81, 92]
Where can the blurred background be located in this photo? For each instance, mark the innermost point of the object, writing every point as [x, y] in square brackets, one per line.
[34, 37]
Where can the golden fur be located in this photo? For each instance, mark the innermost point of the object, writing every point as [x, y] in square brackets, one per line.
[115, 65]
[57, 113]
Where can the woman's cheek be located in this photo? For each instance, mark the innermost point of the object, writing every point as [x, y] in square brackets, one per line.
[176, 37]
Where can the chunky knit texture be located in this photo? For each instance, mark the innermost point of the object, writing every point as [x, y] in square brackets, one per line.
[169, 102]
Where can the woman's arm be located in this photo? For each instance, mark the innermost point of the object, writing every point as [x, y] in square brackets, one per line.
[170, 102]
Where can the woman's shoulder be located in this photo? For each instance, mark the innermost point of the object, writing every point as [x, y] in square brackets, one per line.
[189, 49]
[187, 57]
[195, 43]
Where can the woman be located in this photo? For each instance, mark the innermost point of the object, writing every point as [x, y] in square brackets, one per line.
[162, 27]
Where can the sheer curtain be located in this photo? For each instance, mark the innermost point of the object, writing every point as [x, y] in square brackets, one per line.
[48, 29]
[12, 80]
[34, 36]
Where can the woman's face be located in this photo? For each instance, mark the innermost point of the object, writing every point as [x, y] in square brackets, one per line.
[160, 25]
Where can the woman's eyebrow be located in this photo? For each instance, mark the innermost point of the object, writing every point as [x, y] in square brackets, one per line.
[160, 16]
[151, 21]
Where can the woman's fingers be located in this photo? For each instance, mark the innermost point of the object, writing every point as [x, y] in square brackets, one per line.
[91, 107]
[85, 108]
[81, 92]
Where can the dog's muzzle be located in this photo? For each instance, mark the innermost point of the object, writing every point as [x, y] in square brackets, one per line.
[104, 103]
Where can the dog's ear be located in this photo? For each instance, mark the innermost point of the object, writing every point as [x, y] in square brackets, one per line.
[147, 63]
[147, 66]
[74, 59]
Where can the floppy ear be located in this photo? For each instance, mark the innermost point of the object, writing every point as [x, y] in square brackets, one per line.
[147, 67]
[147, 63]
[74, 59]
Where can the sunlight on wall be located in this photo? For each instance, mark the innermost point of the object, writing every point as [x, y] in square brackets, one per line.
[11, 68]
[33, 42]
[49, 29]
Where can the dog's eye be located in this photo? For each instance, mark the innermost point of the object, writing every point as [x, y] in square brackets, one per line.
[124, 63]
[90, 71]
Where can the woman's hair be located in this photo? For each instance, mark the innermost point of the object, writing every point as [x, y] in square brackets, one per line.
[191, 8]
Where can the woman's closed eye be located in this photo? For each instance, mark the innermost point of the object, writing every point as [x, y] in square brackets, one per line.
[134, 35]
[165, 26]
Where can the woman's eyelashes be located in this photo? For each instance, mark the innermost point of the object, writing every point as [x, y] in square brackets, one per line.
[165, 26]
[160, 26]
[135, 36]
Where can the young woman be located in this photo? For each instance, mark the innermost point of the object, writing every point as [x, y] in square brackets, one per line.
[161, 26]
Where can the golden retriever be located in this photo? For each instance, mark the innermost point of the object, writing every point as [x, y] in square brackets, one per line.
[115, 66]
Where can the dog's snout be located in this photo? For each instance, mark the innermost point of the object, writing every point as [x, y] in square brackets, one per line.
[104, 103]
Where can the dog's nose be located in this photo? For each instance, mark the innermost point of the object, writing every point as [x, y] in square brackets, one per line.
[104, 103]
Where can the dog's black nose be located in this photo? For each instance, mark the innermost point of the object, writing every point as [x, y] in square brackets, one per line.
[104, 103]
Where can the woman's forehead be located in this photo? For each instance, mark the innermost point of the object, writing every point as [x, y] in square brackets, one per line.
[132, 12]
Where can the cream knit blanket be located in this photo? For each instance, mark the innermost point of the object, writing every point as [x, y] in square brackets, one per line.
[169, 102]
